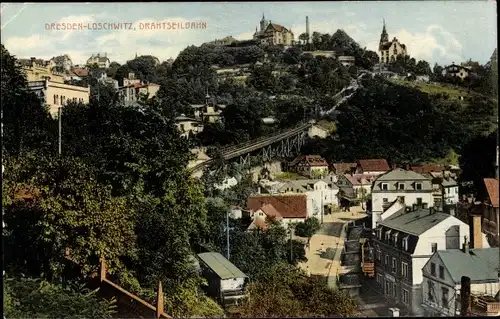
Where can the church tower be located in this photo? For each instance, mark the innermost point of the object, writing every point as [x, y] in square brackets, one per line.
[384, 37]
[263, 23]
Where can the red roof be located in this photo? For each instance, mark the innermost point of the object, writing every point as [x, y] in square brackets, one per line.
[271, 212]
[360, 179]
[287, 205]
[311, 160]
[342, 168]
[427, 168]
[80, 72]
[492, 189]
[374, 165]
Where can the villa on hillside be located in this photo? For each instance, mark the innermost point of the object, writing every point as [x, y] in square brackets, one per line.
[273, 34]
[390, 50]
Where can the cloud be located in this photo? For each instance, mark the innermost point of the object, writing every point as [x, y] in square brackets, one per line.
[120, 45]
[436, 44]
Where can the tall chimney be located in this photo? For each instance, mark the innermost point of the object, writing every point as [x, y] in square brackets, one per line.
[476, 233]
[465, 245]
[465, 308]
[307, 29]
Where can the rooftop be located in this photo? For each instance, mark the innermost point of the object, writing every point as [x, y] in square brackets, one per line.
[480, 265]
[492, 189]
[414, 223]
[342, 168]
[288, 205]
[221, 266]
[374, 165]
[400, 174]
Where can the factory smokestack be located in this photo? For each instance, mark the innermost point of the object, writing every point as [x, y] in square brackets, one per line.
[307, 29]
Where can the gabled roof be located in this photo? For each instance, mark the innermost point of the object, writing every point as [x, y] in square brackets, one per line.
[427, 168]
[400, 174]
[312, 160]
[415, 222]
[271, 212]
[360, 179]
[480, 265]
[374, 165]
[342, 168]
[276, 27]
[288, 205]
[492, 189]
[448, 182]
[221, 266]
[80, 72]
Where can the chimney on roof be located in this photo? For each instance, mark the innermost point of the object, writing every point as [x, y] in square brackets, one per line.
[465, 245]
[476, 233]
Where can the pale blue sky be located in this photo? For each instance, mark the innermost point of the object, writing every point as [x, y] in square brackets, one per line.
[437, 31]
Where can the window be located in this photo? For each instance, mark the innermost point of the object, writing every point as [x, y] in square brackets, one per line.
[386, 288]
[405, 296]
[441, 272]
[386, 261]
[379, 255]
[405, 243]
[430, 292]
[394, 291]
[419, 201]
[433, 269]
[385, 200]
[380, 233]
[402, 199]
[404, 269]
[418, 186]
[379, 279]
[55, 99]
[401, 186]
[395, 239]
[385, 186]
[394, 267]
[444, 297]
[434, 247]
[61, 100]
[388, 235]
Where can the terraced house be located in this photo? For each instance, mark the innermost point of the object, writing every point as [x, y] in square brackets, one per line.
[405, 241]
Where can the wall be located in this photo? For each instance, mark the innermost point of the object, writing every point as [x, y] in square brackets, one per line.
[232, 283]
[450, 195]
[67, 91]
[410, 199]
[38, 73]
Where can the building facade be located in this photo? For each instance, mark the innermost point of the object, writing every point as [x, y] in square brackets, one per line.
[273, 34]
[372, 166]
[410, 187]
[405, 241]
[491, 215]
[102, 62]
[55, 94]
[310, 165]
[390, 50]
[443, 273]
[458, 71]
[188, 126]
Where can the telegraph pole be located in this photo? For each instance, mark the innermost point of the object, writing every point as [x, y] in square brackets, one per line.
[227, 233]
[291, 243]
[59, 114]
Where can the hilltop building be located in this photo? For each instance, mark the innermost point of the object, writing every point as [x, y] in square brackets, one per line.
[101, 61]
[390, 50]
[272, 33]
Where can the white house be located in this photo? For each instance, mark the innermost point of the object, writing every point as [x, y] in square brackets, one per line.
[228, 182]
[188, 126]
[450, 191]
[443, 278]
[361, 183]
[410, 187]
[405, 242]
[310, 165]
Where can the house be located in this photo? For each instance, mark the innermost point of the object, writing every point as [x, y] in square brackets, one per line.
[293, 208]
[131, 80]
[262, 216]
[422, 78]
[39, 70]
[133, 92]
[372, 166]
[410, 187]
[209, 112]
[390, 50]
[228, 182]
[226, 283]
[450, 191]
[272, 33]
[320, 194]
[405, 242]
[346, 60]
[188, 126]
[427, 168]
[491, 217]
[56, 94]
[80, 73]
[361, 183]
[344, 168]
[102, 62]
[442, 278]
[310, 165]
[318, 130]
[454, 70]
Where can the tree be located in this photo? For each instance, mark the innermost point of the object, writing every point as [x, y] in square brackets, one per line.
[285, 291]
[303, 37]
[307, 228]
[35, 298]
[27, 123]
[423, 68]
[66, 209]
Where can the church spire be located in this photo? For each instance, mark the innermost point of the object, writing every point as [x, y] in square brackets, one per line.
[384, 37]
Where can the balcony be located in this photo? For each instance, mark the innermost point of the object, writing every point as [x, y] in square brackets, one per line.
[487, 304]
